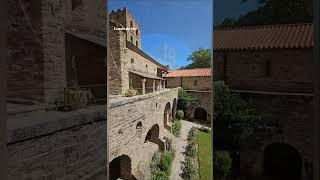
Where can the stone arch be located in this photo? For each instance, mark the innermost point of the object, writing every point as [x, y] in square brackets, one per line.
[120, 167]
[139, 129]
[200, 114]
[153, 135]
[174, 107]
[167, 116]
[282, 161]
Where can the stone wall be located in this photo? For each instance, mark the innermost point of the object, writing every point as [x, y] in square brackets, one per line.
[294, 114]
[127, 139]
[25, 56]
[58, 145]
[124, 59]
[190, 83]
[36, 41]
[278, 70]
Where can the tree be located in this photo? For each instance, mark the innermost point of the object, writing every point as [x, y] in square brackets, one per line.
[200, 59]
[236, 123]
[274, 12]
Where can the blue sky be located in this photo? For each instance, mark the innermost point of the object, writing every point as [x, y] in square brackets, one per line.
[173, 29]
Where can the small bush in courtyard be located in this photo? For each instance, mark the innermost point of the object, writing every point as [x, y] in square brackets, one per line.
[204, 129]
[180, 114]
[191, 149]
[188, 169]
[176, 128]
[168, 144]
[161, 165]
[222, 164]
[131, 92]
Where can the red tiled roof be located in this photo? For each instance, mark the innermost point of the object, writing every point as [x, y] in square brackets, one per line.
[198, 72]
[264, 37]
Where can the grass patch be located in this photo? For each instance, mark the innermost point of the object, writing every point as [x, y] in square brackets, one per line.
[204, 155]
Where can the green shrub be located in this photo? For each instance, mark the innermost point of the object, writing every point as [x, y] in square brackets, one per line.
[204, 129]
[161, 164]
[168, 144]
[176, 128]
[131, 92]
[222, 164]
[191, 149]
[185, 99]
[188, 169]
[180, 114]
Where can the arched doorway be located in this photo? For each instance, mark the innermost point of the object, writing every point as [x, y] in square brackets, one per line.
[167, 116]
[281, 161]
[174, 108]
[120, 167]
[200, 114]
[153, 135]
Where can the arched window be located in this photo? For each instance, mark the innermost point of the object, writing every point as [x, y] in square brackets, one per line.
[195, 82]
[132, 60]
[139, 129]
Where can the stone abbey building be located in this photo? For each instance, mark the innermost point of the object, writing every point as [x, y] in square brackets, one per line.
[198, 83]
[272, 66]
[55, 44]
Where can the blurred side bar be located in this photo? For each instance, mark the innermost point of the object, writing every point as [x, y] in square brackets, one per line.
[316, 168]
[3, 117]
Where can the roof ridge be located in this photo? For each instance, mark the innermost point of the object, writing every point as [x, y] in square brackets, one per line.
[262, 26]
[189, 69]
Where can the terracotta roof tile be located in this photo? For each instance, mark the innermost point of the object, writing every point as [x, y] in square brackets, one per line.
[264, 37]
[198, 72]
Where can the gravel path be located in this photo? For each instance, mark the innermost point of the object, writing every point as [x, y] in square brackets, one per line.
[179, 145]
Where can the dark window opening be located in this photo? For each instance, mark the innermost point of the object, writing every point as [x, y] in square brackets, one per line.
[137, 43]
[76, 3]
[137, 32]
[132, 60]
[268, 68]
[131, 24]
[196, 83]
[131, 39]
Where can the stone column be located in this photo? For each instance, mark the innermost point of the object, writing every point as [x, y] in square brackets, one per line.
[143, 81]
[164, 84]
[154, 86]
[131, 83]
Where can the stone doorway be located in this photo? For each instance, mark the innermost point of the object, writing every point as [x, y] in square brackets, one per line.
[281, 161]
[153, 135]
[167, 116]
[200, 114]
[120, 167]
[174, 108]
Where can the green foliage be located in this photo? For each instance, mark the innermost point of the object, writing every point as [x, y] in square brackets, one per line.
[176, 128]
[131, 92]
[185, 100]
[204, 129]
[188, 169]
[161, 164]
[168, 144]
[200, 58]
[274, 12]
[235, 120]
[191, 149]
[222, 163]
[180, 114]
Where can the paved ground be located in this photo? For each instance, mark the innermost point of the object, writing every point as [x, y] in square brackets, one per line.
[179, 145]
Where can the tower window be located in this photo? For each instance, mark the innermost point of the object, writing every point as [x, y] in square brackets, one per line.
[268, 68]
[131, 39]
[137, 43]
[196, 83]
[132, 60]
[131, 24]
[76, 3]
[137, 32]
